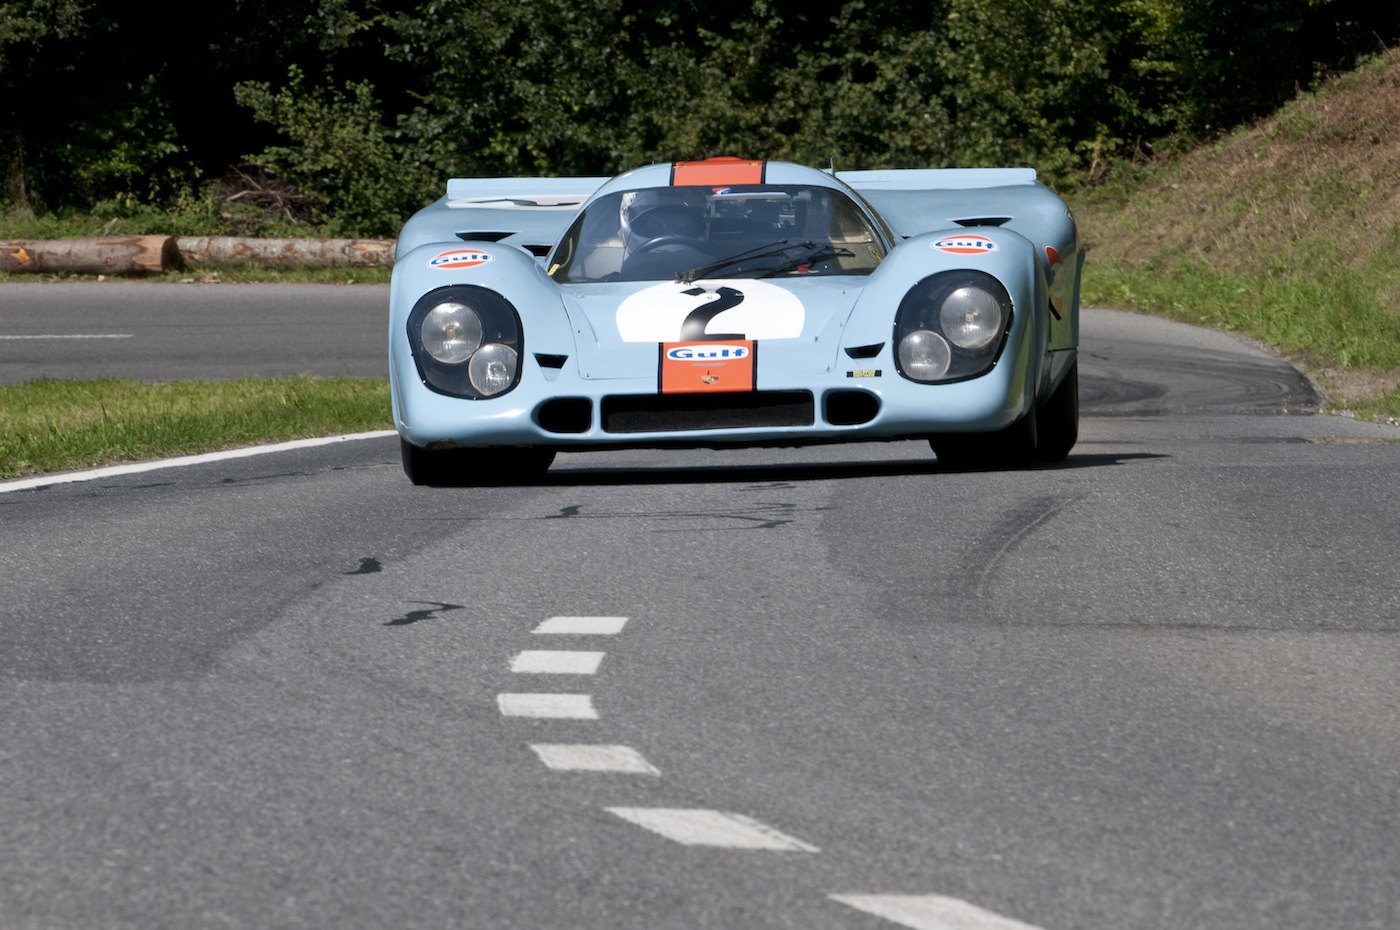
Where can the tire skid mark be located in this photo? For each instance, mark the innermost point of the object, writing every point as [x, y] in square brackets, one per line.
[985, 558]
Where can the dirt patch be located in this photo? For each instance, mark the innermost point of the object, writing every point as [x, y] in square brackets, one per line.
[1349, 389]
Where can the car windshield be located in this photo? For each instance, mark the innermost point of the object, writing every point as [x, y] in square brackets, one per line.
[688, 233]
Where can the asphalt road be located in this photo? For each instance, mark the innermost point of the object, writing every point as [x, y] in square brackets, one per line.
[168, 332]
[1153, 688]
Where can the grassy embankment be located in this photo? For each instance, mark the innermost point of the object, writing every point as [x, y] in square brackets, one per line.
[1287, 232]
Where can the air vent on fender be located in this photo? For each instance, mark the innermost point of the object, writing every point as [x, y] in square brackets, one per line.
[473, 236]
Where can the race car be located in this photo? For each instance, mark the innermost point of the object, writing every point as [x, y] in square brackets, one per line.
[734, 303]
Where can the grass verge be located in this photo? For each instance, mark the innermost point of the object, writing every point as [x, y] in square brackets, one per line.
[48, 426]
[252, 274]
[1336, 325]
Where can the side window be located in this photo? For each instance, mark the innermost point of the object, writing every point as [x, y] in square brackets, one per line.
[593, 246]
[851, 233]
[848, 225]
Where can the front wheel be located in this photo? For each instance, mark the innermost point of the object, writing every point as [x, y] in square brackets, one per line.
[1059, 419]
[1013, 447]
[456, 468]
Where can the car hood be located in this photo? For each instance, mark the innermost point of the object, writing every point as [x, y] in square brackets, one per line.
[618, 325]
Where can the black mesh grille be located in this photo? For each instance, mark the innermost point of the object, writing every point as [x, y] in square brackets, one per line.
[654, 413]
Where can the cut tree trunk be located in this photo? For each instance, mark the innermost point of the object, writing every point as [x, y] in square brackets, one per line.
[197, 251]
[154, 255]
[114, 255]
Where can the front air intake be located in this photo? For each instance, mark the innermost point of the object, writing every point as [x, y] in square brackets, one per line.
[660, 413]
[851, 408]
[565, 415]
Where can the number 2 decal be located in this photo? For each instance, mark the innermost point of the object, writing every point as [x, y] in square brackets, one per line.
[693, 329]
[674, 312]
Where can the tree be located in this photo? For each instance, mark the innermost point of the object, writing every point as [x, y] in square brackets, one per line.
[38, 45]
[1224, 62]
[363, 105]
[99, 106]
[1045, 83]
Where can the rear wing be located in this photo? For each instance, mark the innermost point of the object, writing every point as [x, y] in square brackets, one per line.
[928, 199]
[531, 213]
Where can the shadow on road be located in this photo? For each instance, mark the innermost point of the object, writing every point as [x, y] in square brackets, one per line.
[825, 471]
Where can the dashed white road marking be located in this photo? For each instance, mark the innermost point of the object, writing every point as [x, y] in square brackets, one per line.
[690, 826]
[593, 758]
[582, 626]
[548, 706]
[929, 912]
[562, 662]
[711, 828]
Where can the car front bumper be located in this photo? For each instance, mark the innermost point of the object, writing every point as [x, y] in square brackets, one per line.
[864, 400]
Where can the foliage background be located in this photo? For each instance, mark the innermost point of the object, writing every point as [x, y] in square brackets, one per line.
[340, 117]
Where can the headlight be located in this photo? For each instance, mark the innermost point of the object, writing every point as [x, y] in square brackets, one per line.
[493, 369]
[971, 318]
[924, 356]
[451, 332]
[951, 326]
[466, 341]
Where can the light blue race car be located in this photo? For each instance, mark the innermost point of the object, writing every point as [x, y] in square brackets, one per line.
[725, 303]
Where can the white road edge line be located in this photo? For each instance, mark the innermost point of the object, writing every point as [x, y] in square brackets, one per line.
[69, 336]
[581, 626]
[691, 827]
[556, 662]
[929, 912]
[564, 757]
[115, 471]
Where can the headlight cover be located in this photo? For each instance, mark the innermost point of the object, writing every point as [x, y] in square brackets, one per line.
[951, 326]
[467, 341]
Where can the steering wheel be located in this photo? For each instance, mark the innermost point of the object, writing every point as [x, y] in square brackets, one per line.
[670, 239]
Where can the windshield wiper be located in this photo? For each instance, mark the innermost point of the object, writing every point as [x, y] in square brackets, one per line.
[781, 247]
[818, 253]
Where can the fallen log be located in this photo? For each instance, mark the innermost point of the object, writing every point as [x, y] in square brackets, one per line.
[111, 255]
[198, 251]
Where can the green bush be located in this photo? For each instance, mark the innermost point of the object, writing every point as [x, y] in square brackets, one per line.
[357, 179]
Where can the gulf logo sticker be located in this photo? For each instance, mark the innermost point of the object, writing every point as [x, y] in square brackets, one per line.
[965, 245]
[707, 367]
[460, 258]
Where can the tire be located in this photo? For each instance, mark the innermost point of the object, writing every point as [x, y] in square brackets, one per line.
[457, 468]
[1058, 419]
[1010, 448]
